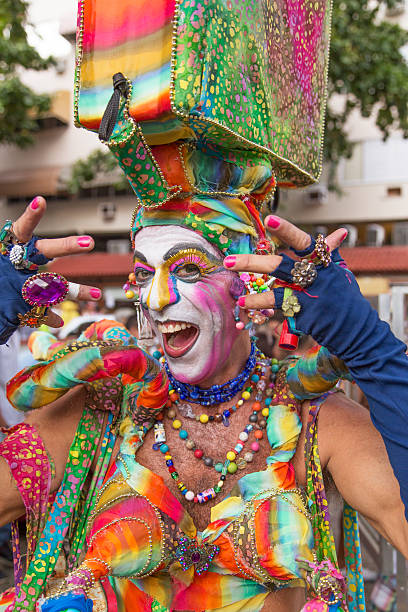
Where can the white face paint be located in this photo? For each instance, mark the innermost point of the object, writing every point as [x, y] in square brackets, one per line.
[186, 292]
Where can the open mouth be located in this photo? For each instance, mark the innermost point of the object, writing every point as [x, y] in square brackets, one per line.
[178, 337]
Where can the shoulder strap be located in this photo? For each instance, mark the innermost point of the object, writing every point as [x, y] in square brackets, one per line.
[352, 555]
[49, 544]
[324, 541]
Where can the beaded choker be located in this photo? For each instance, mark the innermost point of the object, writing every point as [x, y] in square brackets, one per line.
[217, 394]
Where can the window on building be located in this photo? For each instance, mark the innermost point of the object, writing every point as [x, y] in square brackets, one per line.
[376, 161]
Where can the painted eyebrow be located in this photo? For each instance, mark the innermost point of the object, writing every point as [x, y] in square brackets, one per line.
[139, 255]
[187, 245]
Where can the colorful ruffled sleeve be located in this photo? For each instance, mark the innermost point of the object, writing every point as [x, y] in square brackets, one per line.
[101, 355]
[315, 373]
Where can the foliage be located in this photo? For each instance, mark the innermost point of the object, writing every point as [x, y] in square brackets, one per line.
[97, 163]
[19, 105]
[368, 70]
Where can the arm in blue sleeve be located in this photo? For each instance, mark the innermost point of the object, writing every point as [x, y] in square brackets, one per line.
[11, 300]
[380, 368]
[12, 281]
[337, 316]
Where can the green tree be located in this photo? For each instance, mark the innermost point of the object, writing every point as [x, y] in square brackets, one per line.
[19, 105]
[96, 164]
[368, 70]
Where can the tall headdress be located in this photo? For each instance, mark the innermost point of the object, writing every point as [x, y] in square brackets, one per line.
[214, 103]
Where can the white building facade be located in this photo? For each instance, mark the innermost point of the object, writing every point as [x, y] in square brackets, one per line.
[374, 182]
[43, 169]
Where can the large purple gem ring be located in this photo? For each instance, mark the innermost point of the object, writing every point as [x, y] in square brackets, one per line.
[45, 289]
[42, 290]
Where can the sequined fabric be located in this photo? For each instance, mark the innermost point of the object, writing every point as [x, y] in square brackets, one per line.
[255, 70]
[319, 508]
[249, 75]
[29, 464]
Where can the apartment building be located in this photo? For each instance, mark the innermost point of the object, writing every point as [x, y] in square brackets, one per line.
[374, 182]
[45, 167]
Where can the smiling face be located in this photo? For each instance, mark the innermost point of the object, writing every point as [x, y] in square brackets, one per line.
[186, 294]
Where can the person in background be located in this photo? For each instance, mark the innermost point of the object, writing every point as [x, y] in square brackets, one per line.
[131, 325]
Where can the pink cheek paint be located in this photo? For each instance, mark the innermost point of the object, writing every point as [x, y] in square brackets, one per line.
[213, 296]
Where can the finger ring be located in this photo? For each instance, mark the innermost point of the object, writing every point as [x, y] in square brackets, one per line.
[19, 258]
[291, 306]
[41, 291]
[303, 273]
[7, 237]
[321, 254]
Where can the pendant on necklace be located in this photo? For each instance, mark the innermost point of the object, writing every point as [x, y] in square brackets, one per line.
[190, 553]
[241, 463]
[186, 411]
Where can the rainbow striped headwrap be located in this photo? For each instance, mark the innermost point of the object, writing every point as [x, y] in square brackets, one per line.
[223, 209]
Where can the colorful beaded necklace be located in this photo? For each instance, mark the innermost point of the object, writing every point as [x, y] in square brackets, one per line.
[231, 464]
[217, 394]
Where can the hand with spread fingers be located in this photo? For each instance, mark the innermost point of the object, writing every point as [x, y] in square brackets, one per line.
[320, 297]
[25, 293]
[308, 289]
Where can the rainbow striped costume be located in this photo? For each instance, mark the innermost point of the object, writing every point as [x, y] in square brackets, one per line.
[270, 534]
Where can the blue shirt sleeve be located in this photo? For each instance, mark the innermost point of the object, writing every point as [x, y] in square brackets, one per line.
[335, 314]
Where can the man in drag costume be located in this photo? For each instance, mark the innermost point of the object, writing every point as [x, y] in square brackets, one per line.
[198, 484]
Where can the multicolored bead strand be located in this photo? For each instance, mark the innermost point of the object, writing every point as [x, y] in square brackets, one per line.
[230, 465]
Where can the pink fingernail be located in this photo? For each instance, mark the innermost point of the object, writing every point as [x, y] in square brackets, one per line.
[241, 301]
[84, 241]
[273, 222]
[230, 261]
[344, 236]
[35, 203]
[95, 293]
